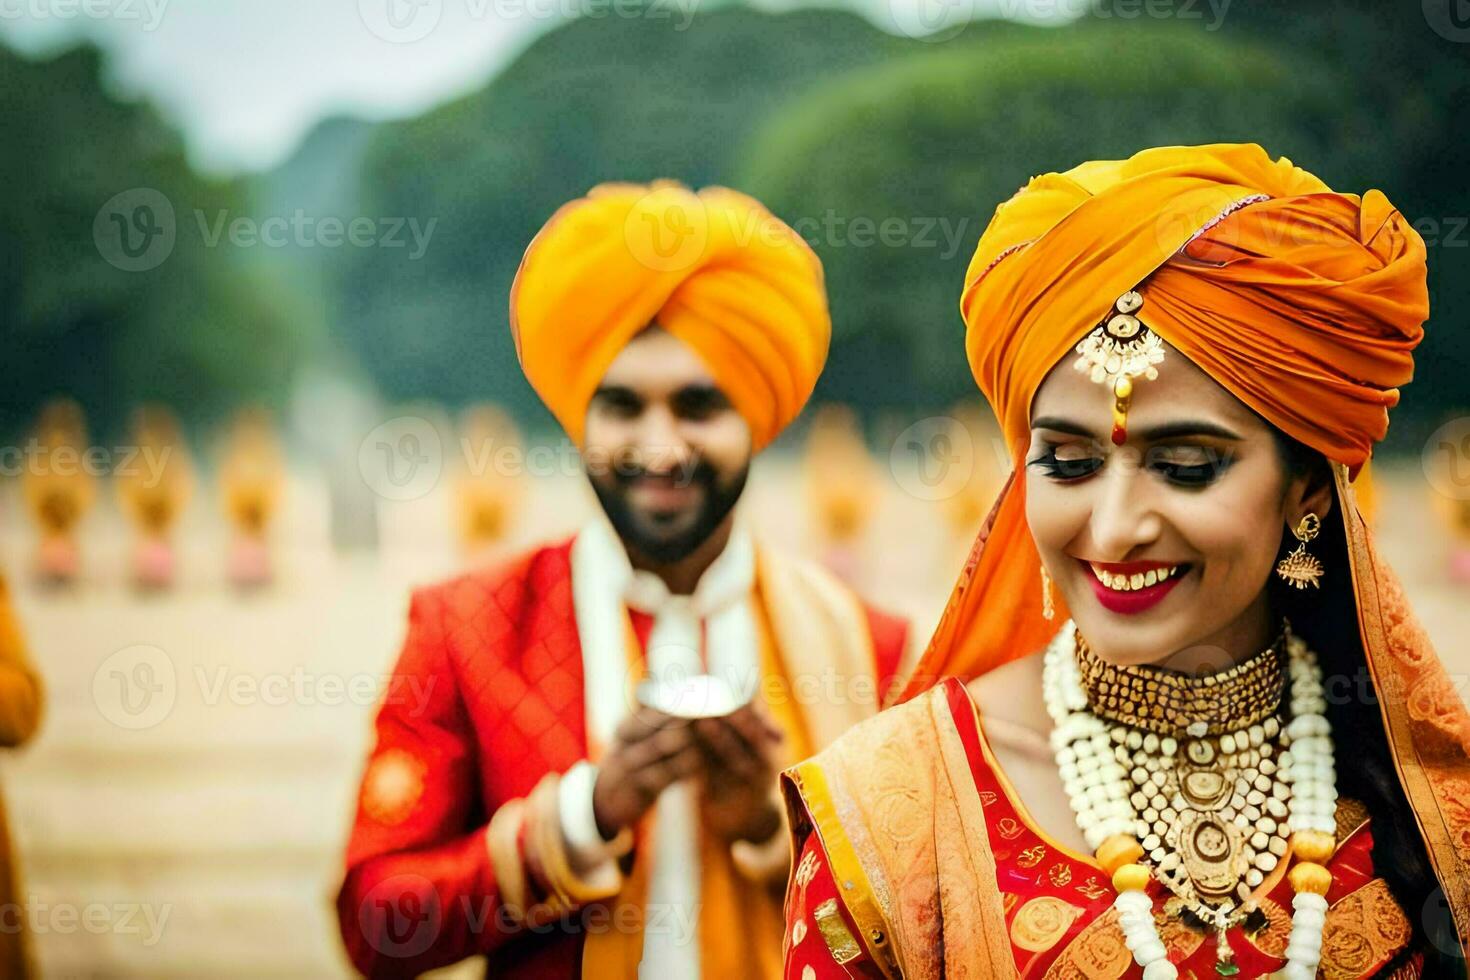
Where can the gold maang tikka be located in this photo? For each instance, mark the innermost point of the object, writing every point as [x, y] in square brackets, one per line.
[1119, 351]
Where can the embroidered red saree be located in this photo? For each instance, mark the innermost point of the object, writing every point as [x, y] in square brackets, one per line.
[879, 892]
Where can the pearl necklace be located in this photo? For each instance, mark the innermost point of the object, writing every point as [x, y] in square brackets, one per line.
[1102, 794]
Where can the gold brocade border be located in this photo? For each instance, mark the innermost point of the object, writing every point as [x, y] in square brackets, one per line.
[1393, 705]
[963, 856]
[847, 870]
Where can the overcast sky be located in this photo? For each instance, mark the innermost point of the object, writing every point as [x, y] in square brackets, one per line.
[246, 79]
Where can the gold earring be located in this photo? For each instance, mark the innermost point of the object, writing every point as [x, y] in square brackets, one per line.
[1301, 568]
[1048, 611]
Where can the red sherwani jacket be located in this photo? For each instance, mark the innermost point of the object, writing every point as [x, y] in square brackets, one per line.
[486, 700]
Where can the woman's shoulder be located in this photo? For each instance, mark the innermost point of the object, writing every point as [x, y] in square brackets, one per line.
[1009, 700]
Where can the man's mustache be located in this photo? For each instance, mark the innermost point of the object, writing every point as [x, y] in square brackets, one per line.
[697, 472]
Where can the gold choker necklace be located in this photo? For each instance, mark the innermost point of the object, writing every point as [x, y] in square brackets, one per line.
[1167, 702]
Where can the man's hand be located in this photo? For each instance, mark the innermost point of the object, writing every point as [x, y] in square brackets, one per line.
[650, 751]
[739, 774]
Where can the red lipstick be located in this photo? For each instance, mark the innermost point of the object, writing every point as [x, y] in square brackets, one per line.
[1133, 601]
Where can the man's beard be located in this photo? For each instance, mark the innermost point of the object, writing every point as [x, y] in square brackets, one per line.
[638, 536]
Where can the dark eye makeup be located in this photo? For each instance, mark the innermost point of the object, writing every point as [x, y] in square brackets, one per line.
[1190, 467]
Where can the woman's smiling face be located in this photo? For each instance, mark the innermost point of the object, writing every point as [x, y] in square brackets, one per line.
[1161, 547]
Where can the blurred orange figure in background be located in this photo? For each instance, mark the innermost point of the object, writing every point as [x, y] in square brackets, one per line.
[489, 486]
[842, 487]
[59, 490]
[153, 491]
[252, 480]
[21, 702]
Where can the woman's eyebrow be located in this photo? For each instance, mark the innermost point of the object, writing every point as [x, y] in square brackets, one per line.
[1187, 428]
[1057, 424]
[1159, 433]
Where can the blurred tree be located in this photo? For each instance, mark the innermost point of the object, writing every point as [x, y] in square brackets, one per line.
[938, 139]
[617, 98]
[194, 329]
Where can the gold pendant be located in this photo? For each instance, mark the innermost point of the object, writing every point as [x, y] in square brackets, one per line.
[1211, 850]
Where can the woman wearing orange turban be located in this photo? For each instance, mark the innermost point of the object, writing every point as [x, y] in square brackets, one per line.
[1177, 718]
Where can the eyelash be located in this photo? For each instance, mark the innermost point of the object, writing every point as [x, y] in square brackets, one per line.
[1075, 470]
[1065, 470]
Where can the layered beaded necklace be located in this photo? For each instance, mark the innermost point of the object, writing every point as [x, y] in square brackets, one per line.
[1201, 783]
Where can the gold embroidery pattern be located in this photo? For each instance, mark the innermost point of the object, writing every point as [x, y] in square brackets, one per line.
[392, 787]
[840, 944]
[1433, 698]
[1041, 922]
[1363, 932]
[1032, 856]
[1453, 794]
[1178, 938]
[1009, 829]
[1092, 889]
[1273, 937]
[899, 813]
[1060, 875]
[807, 869]
[1351, 814]
[1098, 953]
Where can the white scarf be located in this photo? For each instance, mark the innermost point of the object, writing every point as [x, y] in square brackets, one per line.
[603, 583]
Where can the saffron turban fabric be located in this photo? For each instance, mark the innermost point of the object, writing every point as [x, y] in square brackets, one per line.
[713, 268]
[1304, 303]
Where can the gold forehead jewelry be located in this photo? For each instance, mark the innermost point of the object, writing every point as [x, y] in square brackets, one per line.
[1119, 351]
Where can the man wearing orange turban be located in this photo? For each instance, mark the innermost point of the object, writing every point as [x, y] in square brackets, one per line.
[587, 786]
[1219, 271]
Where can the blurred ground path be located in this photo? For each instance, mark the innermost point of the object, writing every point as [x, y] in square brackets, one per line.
[199, 761]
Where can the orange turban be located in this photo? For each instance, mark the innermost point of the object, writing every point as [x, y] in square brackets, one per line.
[1305, 303]
[713, 268]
